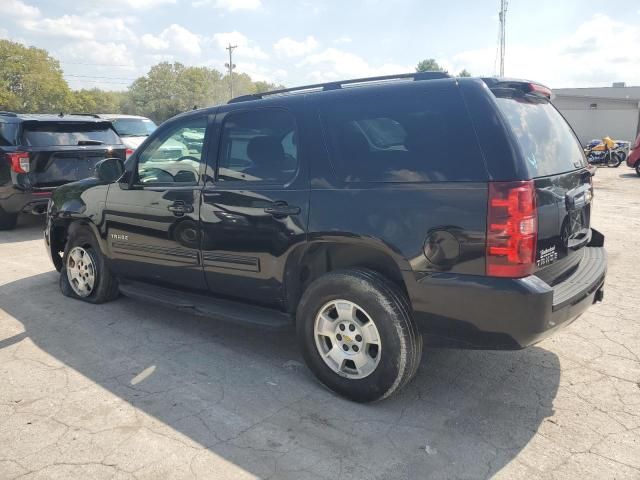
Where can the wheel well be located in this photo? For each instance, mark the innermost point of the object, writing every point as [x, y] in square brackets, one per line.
[321, 258]
[59, 236]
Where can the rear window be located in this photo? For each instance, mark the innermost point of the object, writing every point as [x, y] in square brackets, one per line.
[133, 127]
[402, 135]
[69, 133]
[547, 141]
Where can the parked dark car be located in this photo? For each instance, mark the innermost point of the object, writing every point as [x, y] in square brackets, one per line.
[333, 208]
[41, 152]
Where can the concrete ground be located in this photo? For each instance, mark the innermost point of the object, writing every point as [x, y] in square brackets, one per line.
[128, 390]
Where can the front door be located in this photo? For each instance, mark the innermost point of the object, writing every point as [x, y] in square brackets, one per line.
[255, 209]
[153, 221]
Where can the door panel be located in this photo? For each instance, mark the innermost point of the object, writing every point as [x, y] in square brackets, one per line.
[255, 210]
[153, 224]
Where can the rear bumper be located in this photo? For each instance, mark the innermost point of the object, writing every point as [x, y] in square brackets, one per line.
[14, 200]
[493, 313]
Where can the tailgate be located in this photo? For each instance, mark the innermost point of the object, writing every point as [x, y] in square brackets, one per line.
[65, 151]
[60, 165]
[555, 161]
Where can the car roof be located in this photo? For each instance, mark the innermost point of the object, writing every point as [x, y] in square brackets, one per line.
[115, 116]
[11, 117]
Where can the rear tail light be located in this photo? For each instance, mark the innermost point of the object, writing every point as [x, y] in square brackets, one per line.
[129, 152]
[19, 162]
[512, 229]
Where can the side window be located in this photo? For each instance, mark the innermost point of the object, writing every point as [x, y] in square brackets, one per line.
[258, 146]
[407, 135]
[175, 156]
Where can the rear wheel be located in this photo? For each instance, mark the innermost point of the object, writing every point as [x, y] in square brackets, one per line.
[8, 220]
[638, 168]
[357, 335]
[84, 274]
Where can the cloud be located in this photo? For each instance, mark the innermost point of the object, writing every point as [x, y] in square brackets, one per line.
[18, 9]
[245, 48]
[334, 64]
[82, 27]
[174, 38]
[291, 48]
[230, 5]
[589, 56]
[343, 40]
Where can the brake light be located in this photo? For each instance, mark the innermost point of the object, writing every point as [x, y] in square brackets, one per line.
[512, 229]
[129, 152]
[19, 162]
[540, 90]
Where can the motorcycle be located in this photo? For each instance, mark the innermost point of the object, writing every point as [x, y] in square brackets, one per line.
[598, 154]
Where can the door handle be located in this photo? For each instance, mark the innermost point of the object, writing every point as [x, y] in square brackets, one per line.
[281, 209]
[179, 208]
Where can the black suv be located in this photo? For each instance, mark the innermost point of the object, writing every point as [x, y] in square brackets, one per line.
[40, 152]
[365, 212]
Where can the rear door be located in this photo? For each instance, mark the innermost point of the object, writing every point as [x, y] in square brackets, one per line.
[555, 160]
[255, 208]
[66, 151]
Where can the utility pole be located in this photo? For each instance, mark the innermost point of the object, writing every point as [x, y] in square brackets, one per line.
[230, 66]
[502, 35]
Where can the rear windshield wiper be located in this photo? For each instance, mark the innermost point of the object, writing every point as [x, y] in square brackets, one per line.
[90, 142]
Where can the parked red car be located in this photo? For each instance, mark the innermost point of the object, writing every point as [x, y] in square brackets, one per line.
[633, 159]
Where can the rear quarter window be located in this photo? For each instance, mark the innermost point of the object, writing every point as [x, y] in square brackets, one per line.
[549, 145]
[402, 135]
[64, 134]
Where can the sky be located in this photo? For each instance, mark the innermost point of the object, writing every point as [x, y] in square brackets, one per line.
[109, 43]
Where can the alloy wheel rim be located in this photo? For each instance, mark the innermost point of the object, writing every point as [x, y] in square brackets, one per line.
[81, 271]
[347, 339]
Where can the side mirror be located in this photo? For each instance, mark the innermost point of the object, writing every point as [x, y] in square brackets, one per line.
[109, 170]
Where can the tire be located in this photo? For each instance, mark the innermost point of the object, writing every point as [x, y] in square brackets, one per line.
[81, 243]
[638, 168]
[8, 220]
[391, 364]
[614, 160]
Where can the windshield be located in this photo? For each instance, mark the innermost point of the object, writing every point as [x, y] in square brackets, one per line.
[133, 127]
[547, 141]
[47, 134]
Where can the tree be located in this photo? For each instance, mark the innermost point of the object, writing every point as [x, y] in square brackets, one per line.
[464, 73]
[95, 101]
[262, 86]
[429, 65]
[30, 80]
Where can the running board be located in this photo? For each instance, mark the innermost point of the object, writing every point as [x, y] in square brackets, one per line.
[225, 310]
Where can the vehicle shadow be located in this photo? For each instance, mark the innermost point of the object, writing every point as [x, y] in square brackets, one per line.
[245, 395]
[29, 228]
[628, 175]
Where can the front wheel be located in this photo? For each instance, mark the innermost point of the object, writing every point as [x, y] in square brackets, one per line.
[84, 273]
[357, 335]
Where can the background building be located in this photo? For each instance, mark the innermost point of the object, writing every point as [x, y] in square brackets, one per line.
[596, 112]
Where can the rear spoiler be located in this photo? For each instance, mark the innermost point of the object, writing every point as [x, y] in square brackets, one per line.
[524, 86]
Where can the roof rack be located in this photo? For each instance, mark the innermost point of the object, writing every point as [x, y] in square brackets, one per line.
[8, 114]
[94, 115]
[338, 84]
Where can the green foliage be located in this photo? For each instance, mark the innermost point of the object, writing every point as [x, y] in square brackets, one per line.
[30, 80]
[464, 73]
[429, 65]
